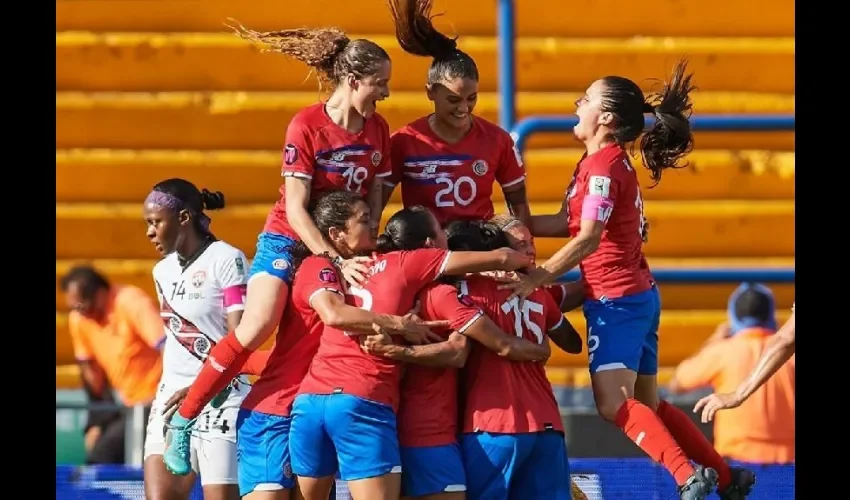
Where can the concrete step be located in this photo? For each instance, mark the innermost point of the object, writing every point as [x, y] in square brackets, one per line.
[674, 295]
[220, 61]
[680, 335]
[98, 175]
[258, 120]
[677, 229]
[468, 17]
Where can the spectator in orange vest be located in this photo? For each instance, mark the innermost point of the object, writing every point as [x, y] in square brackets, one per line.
[761, 429]
[116, 333]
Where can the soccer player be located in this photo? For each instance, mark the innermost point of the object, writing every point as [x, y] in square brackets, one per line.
[344, 417]
[200, 284]
[341, 143]
[427, 417]
[778, 351]
[448, 161]
[603, 212]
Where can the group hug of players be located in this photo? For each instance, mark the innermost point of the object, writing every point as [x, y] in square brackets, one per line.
[411, 363]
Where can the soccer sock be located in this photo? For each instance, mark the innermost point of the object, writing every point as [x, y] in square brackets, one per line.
[644, 427]
[696, 446]
[223, 363]
[256, 362]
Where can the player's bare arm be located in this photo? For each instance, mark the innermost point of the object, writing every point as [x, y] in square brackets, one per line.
[568, 257]
[550, 226]
[573, 296]
[335, 313]
[503, 259]
[487, 333]
[450, 353]
[376, 202]
[297, 198]
[517, 201]
[566, 337]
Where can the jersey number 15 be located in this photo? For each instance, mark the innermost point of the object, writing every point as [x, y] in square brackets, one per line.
[522, 317]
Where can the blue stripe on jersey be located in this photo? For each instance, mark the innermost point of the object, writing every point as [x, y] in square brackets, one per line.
[442, 160]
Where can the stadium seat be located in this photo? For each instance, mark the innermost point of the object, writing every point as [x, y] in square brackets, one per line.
[470, 17]
[257, 120]
[86, 175]
[677, 229]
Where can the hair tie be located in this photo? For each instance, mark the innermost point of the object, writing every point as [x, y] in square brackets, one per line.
[648, 108]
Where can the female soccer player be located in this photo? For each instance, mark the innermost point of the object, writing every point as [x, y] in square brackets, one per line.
[262, 427]
[344, 417]
[341, 143]
[200, 283]
[448, 161]
[778, 351]
[427, 417]
[603, 212]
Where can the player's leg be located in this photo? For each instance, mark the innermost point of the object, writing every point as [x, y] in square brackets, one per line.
[366, 441]
[268, 289]
[545, 472]
[312, 452]
[433, 472]
[491, 462]
[617, 330]
[160, 484]
[732, 484]
[262, 445]
[214, 445]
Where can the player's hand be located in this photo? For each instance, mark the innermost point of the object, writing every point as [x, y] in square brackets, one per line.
[379, 343]
[502, 276]
[715, 402]
[174, 402]
[512, 260]
[524, 286]
[418, 331]
[355, 270]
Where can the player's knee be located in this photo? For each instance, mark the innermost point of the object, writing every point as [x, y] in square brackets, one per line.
[608, 410]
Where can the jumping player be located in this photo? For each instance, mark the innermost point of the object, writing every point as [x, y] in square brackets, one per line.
[778, 351]
[344, 417]
[341, 143]
[603, 212]
[200, 283]
[449, 160]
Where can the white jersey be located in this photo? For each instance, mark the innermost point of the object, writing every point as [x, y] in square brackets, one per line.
[194, 303]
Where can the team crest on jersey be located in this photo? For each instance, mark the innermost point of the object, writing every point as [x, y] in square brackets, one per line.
[376, 158]
[599, 185]
[198, 279]
[479, 167]
[327, 275]
[280, 264]
[290, 154]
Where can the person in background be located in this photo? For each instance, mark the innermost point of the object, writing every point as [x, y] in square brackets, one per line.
[778, 351]
[116, 334]
[761, 430]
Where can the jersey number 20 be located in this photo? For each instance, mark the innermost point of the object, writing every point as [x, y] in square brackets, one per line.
[447, 196]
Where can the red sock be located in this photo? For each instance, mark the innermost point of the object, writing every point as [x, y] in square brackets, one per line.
[223, 363]
[256, 362]
[645, 428]
[696, 446]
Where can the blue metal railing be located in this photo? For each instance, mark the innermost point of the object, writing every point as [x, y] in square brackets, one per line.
[721, 123]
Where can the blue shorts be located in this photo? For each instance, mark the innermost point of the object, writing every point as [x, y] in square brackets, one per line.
[516, 466]
[274, 256]
[345, 433]
[262, 452]
[429, 470]
[622, 333]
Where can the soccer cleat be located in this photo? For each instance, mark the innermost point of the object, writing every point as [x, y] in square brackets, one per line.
[700, 485]
[741, 486]
[222, 396]
[178, 454]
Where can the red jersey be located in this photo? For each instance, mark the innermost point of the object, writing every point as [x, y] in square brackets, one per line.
[605, 188]
[297, 339]
[454, 181]
[427, 415]
[331, 158]
[502, 396]
[340, 366]
[558, 291]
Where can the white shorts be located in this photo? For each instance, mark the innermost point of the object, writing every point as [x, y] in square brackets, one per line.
[213, 441]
